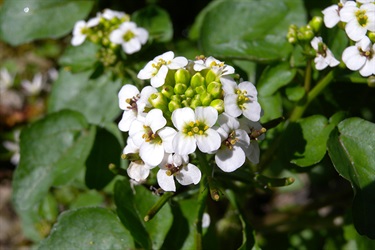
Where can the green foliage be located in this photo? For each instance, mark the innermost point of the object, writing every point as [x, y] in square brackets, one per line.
[22, 21]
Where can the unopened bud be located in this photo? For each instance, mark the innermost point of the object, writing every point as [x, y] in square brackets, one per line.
[206, 98]
[218, 104]
[167, 91]
[200, 90]
[173, 105]
[158, 100]
[182, 76]
[371, 35]
[195, 103]
[214, 88]
[197, 80]
[189, 92]
[180, 88]
[316, 23]
[210, 76]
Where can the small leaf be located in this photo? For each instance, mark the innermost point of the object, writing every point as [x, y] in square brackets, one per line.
[272, 107]
[295, 92]
[95, 98]
[53, 151]
[88, 228]
[275, 77]
[157, 22]
[80, 58]
[351, 148]
[24, 21]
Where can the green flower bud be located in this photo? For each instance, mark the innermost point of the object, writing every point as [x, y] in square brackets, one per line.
[210, 76]
[173, 105]
[180, 88]
[176, 98]
[195, 103]
[169, 79]
[200, 89]
[206, 98]
[218, 104]
[197, 80]
[182, 76]
[316, 23]
[167, 91]
[214, 88]
[371, 35]
[186, 102]
[158, 100]
[190, 92]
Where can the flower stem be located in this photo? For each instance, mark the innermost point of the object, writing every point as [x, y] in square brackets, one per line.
[203, 192]
[319, 87]
[307, 84]
[158, 205]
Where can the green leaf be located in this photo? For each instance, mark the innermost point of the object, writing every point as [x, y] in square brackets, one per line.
[88, 228]
[295, 92]
[95, 98]
[351, 148]
[157, 22]
[356, 241]
[80, 58]
[22, 21]
[272, 107]
[307, 139]
[274, 77]
[129, 215]
[53, 151]
[245, 29]
[106, 150]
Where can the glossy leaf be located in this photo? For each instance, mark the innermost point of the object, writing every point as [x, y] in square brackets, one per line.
[88, 228]
[106, 150]
[351, 148]
[79, 58]
[53, 151]
[24, 21]
[271, 106]
[257, 34]
[275, 77]
[95, 98]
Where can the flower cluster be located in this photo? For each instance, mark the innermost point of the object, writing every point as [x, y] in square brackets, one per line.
[190, 109]
[111, 29]
[359, 20]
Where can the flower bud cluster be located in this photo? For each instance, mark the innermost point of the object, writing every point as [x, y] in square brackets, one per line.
[189, 107]
[111, 30]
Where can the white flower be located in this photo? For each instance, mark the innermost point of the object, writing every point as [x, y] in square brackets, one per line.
[80, 30]
[218, 67]
[240, 99]
[194, 128]
[365, 1]
[253, 151]
[109, 14]
[359, 19]
[6, 80]
[361, 57]
[332, 14]
[129, 36]
[35, 86]
[178, 166]
[128, 97]
[231, 155]
[324, 56]
[14, 147]
[137, 170]
[152, 138]
[157, 69]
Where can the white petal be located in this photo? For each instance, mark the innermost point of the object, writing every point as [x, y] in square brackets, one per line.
[331, 17]
[243, 138]
[78, 40]
[151, 153]
[250, 89]
[253, 152]
[116, 36]
[208, 115]
[165, 182]
[199, 65]
[347, 13]
[184, 145]
[188, 175]
[354, 30]
[178, 63]
[315, 42]
[130, 147]
[230, 160]
[228, 70]
[252, 111]
[208, 142]
[127, 118]
[132, 46]
[320, 62]
[159, 79]
[147, 72]
[127, 91]
[142, 35]
[136, 132]
[138, 171]
[229, 85]
[155, 120]
[369, 68]
[167, 134]
[167, 56]
[352, 58]
[231, 106]
[182, 116]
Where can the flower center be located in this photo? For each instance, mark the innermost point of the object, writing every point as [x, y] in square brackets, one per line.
[128, 36]
[361, 17]
[242, 98]
[195, 128]
[215, 64]
[132, 102]
[231, 140]
[366, 53]
[160, 63]
[151, 137]
[172, 169]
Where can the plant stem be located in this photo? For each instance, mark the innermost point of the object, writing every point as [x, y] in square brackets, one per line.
[158, 205]
[203, 192]
[308, 76]
[320, 86]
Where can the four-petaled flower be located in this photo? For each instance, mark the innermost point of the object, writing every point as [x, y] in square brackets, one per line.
[157, 69]
[218, 67]
[81, 29]
[332, 14]
[324, 56]
[129, 36]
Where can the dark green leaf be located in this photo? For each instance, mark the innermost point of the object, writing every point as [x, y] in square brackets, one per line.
[275, 77]
[356, 241]
[271, 106]
[79, 58]
[129, 215]
[88, 228]
[351, 148]
[22, 21]
[157, 22]
[95, 98]
[53, 151]
[106, 150]
[295, 93]
[245, 29]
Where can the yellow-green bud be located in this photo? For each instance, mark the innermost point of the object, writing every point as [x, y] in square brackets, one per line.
[182, 76]
[186, 102]
[218, 104]
[173, 105]
[206, 98]
[197, 80]
[189, 92]
[195, 103]
[176, 98]
[167, 91]
[371, 35]
[158, 100]
[316, 23]
[200, 90]
[371, 81]
[180, 88]
[210, 76]
[214, 88]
